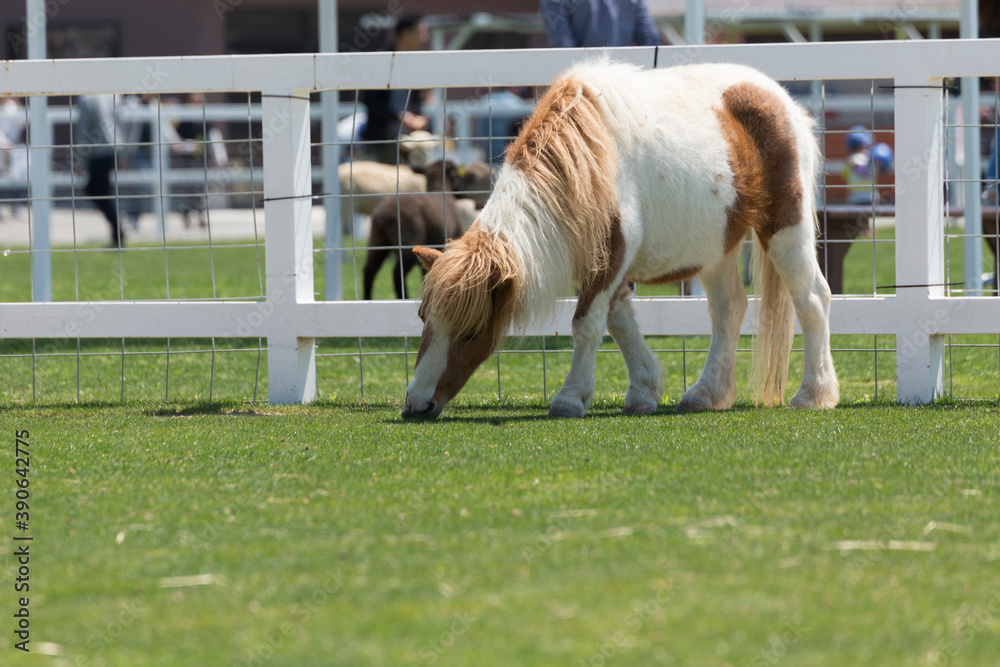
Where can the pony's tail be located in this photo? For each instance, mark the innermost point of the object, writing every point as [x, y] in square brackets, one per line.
[774, 331]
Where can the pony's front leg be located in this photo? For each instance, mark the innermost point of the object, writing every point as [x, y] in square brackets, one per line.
[645, 379]
[588, 329]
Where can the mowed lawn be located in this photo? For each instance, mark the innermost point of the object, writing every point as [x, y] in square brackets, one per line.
[230, 534]
[188, 525]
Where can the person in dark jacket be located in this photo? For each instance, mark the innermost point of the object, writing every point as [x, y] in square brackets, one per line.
[392, 113]
[595, 23]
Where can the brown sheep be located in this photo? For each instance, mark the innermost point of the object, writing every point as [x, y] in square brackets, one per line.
[401, 222]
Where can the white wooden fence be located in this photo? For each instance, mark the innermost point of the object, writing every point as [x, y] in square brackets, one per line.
[919, 314]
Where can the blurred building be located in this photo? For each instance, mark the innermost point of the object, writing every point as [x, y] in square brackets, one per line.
[202, 27]
[113, 28]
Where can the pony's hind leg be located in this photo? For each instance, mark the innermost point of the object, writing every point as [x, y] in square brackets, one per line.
[644, 374]
[792, 250]
[727, 304]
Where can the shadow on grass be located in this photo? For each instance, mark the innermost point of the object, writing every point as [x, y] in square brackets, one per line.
[496, 413]
[532, 412]
[146, 408]
[538, 412]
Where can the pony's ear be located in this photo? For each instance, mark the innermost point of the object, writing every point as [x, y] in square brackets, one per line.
[426, 256]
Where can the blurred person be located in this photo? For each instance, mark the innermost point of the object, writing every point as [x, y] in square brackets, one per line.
[990, 190]
[596, 23]
[95, 137]
[198, 145]
[138, 155]
[392, 113]
[864, 164]
[505, 115]
[990, 199]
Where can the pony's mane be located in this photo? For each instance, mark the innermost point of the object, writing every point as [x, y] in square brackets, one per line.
[568, 155]
[476, 286]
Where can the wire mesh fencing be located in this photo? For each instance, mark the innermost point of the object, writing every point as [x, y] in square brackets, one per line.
[148, 198]
[163, 201]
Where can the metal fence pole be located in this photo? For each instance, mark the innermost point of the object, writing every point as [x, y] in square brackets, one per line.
[39, 161]
[971, 172]
[333, 259]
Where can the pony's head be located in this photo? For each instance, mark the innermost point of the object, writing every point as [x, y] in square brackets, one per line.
[472, 293]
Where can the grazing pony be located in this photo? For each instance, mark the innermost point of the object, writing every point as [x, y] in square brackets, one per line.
[406, 220]
[649, 176]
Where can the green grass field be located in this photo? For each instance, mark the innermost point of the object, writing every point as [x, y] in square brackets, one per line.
[187, 525]
[218, 533]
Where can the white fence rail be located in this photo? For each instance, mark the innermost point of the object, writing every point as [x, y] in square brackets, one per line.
[919, 314]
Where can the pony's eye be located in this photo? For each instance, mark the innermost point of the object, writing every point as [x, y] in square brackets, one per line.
[471, 337]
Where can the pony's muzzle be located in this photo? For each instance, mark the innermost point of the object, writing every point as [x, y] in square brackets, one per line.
[431, 411]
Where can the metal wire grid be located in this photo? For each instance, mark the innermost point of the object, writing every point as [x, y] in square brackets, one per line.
[37, 359]
[879, 247]
[955, 184]
[982, 350]
[166, 240]
[365, 349]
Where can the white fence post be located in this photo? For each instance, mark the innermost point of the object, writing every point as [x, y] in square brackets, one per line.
[919, 237]
[291, 361]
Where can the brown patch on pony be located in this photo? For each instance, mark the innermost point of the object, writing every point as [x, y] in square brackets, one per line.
[764, 158]
[568, 155]
[622, 293]
[673, 276]
[426, 336]
[475, 287]
[765, 163]
[599, 281]
[464, 357]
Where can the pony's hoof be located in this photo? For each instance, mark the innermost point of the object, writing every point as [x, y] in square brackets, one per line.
[692, 405]
[810, 400]
[694, 401]
[639, 406]
[561, 409]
